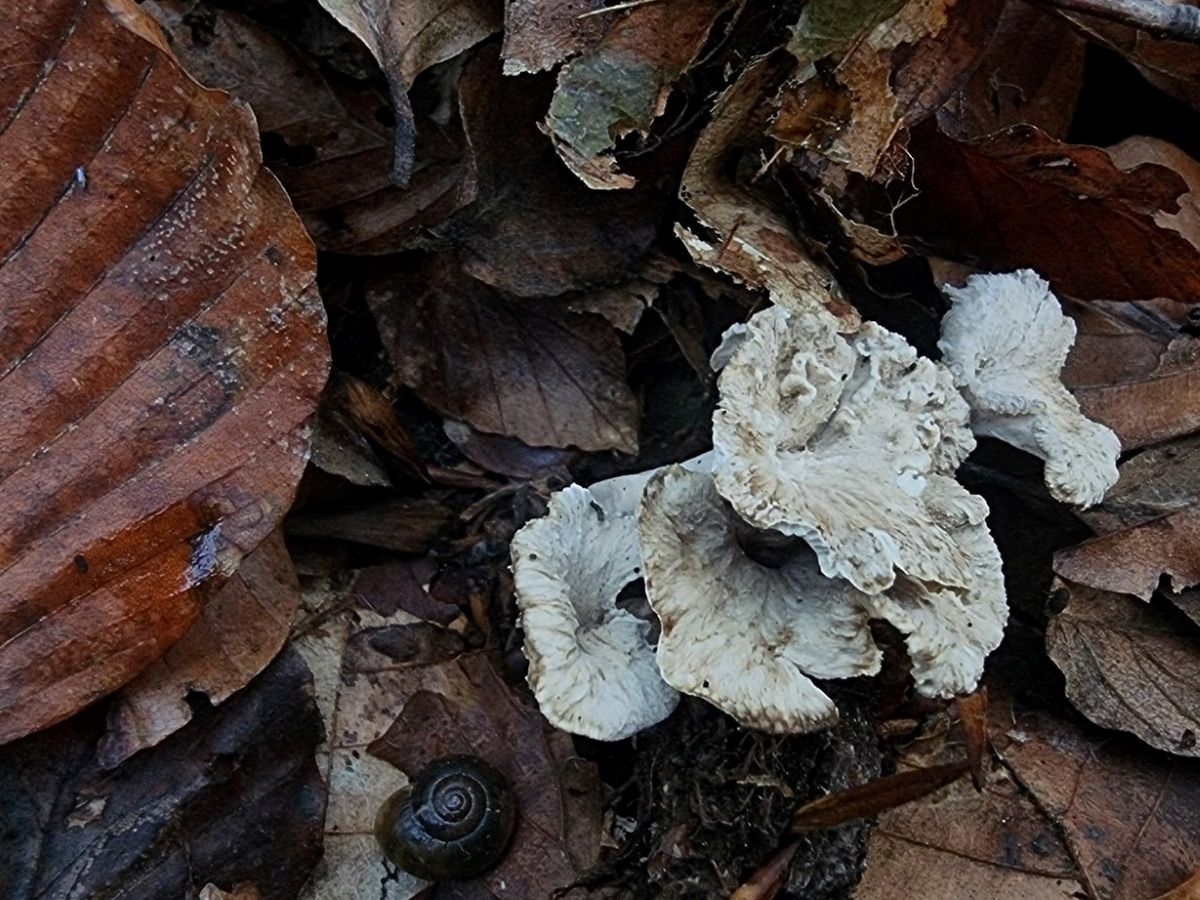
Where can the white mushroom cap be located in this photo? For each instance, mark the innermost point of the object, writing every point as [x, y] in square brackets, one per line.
[741, 635]
[591, 666]
[833, 439]
[1005, 340]
[950, 633]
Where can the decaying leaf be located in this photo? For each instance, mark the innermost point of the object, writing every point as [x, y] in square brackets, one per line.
[541, 232]
[238, 632]
[621, 86]
[162, 347]
[407, 39]
[1131, 667]
[997, 199]
[163, 824]
[876, 796]
[830, 26]
[523, 368]
[404, 525]
[1128, 816]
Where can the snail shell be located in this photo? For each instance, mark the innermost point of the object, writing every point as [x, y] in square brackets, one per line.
[453, 821]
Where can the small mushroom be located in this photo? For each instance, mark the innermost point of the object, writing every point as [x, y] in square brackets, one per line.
[1005, 340]
[834, 438]
[591, 665]
[746, 637]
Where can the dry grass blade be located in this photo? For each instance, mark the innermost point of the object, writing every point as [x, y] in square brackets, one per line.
[874, 797]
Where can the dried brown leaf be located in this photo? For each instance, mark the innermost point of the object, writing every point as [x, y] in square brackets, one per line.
[1135, 367]
[162, 348]
[523, 368]
[1130, 667]
[1128, 815]
[539, 34]
[238, 632]
[404, 525]
[324, 138]
[1189, 890]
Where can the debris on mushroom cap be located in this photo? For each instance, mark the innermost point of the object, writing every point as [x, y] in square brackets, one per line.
[833, 439]
[741, 635]
[591, 666]
[950, 633]
[1005, 340]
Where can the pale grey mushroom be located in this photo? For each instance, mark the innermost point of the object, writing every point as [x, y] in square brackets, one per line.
[1005, 340]
[746, 637]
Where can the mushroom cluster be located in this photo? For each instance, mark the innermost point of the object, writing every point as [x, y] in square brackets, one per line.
[829, 500]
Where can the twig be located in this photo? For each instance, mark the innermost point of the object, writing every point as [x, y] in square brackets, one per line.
[1176, 21]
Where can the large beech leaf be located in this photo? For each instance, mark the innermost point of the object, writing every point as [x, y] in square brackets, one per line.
[234, 797]
[525, 368]
[161, 348]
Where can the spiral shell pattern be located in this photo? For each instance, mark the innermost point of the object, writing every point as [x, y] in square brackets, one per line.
[453, 822]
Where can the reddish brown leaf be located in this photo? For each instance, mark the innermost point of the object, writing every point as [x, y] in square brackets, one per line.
[1129, 666]
[162, 347]
[239, 631]
[999, 199]
[526, 369]
[1189, 890]
[874, 797]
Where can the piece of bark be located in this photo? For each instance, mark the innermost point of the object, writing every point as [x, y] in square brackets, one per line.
[163, 347]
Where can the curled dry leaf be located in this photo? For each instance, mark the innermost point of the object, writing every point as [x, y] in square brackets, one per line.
[621, 86]
[237, 633]
[741, 235]
[1130, 666]
[163, 824]
[897, 74]
[407, 39]
[1118, 234]
[524, 368]
[163, 345]
[877, 796]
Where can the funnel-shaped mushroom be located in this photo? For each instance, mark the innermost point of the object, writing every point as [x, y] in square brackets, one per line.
[591, 665]
[1005, 341]
[743, 636]
[833, 439]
